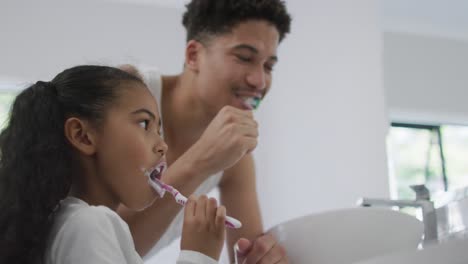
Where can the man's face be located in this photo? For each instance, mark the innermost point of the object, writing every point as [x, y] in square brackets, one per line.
[237, 65]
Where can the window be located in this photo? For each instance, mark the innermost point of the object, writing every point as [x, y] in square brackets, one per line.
[6, 99]
[8, 92]
[435, 155]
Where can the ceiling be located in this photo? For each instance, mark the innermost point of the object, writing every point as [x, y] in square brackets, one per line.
[164, 3]
[441, 18]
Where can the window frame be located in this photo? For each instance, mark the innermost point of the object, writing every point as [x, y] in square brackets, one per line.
[432, 129]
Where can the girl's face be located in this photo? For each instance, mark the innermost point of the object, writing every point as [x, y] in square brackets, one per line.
[128, 141]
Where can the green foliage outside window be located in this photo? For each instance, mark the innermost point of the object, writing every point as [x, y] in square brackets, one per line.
[418, 155]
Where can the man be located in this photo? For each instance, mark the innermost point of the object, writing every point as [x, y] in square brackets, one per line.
[209, 128]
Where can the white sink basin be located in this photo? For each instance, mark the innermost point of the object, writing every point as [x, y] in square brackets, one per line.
[453, 252]
[348, 235]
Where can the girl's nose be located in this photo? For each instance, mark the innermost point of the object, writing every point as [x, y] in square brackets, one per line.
[160, 148]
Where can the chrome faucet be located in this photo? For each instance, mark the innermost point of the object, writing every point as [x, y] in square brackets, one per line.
[422, 201]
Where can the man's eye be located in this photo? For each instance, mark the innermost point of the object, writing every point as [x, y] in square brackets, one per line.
[144, 124]
[269, 68]
[244, 59]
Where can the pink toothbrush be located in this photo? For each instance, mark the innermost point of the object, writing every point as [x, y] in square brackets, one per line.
[182, 200]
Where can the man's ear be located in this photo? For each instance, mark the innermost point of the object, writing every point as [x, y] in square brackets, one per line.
[192, 55]
[81, 135]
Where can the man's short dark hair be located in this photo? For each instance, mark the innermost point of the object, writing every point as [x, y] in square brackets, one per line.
[205, 18]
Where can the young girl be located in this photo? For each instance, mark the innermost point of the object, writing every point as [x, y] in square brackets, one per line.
[74, 149]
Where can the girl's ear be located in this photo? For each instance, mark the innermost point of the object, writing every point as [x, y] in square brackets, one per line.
[192, 54]
[81, 135]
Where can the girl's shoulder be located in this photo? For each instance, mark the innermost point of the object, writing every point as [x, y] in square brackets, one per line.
[75, 214]
[91, 232]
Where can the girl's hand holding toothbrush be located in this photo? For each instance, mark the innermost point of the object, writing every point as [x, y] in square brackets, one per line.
[204, 229]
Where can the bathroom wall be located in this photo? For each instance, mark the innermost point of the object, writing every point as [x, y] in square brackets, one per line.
[426, 78]
[323, 126]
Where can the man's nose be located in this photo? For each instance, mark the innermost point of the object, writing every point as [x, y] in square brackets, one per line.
[257, 78]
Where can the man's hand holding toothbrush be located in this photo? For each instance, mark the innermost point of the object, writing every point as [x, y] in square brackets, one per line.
[229, 136]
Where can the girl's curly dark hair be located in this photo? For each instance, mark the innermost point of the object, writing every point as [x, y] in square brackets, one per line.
[205, 18]
[36, 160]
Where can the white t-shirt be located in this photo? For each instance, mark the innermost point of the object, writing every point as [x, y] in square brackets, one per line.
[84, 234]
[153, 80]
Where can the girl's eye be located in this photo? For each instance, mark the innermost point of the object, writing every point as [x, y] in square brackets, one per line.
[144, 124]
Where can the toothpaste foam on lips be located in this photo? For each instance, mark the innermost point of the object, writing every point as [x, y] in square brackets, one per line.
[154, 176]
[252, 102]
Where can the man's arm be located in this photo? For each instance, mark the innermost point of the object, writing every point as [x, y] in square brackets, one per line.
[224, 142]
[239, 195]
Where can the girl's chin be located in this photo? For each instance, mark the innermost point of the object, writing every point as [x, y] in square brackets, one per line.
[142, 205]
[148, 203]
